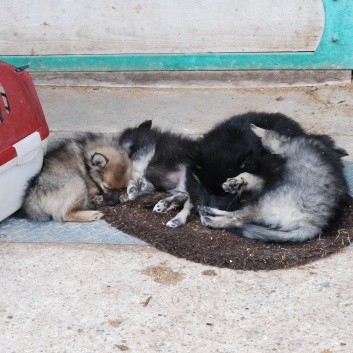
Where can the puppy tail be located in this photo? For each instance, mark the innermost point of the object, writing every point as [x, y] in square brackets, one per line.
[300, 234]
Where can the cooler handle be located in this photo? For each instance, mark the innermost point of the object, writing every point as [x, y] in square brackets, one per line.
[28, 148]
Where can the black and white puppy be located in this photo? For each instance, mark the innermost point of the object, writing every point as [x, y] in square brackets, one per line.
[160, 163]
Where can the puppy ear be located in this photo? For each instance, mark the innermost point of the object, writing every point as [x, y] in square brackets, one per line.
[329, 142]
[257, 130]
[145, 125]
[341, 152]
[98, 160]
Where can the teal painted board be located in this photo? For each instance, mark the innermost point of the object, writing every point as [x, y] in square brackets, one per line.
[335, 51]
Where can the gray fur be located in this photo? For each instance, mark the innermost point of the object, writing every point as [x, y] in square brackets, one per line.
[310, 195]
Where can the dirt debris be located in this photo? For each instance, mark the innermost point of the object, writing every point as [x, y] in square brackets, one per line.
[219, 248]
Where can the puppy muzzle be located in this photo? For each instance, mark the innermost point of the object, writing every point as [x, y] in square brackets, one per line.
[111, 198]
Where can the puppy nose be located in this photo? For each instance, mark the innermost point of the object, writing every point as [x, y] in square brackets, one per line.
[111, 198]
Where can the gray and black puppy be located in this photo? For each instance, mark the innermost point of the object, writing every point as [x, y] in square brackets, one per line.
[311, 192]
[231, 148]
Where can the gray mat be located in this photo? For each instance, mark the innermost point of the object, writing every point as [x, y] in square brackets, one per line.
[18, 230]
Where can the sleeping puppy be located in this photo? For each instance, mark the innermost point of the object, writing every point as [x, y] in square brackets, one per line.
[231, 148]
[75, 170]
[311, 193]
[160, 163]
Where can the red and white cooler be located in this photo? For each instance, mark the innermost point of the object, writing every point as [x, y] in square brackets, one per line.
[23, 136]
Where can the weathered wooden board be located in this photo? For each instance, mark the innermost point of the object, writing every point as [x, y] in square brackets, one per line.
[53, 27]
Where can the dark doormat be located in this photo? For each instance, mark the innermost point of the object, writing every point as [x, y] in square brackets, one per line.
[197, 243]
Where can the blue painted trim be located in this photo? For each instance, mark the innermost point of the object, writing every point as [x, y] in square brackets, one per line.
[335, 51]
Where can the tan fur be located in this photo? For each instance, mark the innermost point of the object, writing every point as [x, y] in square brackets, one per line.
[82, 216]
[117, 172]
[76, 170]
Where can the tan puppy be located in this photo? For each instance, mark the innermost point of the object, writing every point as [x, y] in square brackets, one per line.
[75, 170]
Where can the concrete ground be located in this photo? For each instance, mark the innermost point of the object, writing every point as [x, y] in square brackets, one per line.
[65, 297]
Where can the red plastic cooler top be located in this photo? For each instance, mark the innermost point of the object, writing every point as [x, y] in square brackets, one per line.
[21, 113]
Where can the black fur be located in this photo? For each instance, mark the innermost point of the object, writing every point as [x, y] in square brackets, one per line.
[231, 148]
[160, 159]
[170, 152]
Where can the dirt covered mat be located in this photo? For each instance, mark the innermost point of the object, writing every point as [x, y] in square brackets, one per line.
[221, 248]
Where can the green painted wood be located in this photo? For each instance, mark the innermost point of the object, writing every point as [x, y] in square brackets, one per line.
[335, 51]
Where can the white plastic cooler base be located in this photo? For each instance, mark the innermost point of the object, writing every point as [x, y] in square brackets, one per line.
[15, 174]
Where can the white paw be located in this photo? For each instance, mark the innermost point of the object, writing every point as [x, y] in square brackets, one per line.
[142, 183]
[132, 192]
[174, 223]
[159, 207]
[163, 206]
[211, 217]
[212, 221]
[210, 211]
[206, 215]
[206, 220]
[233, 185]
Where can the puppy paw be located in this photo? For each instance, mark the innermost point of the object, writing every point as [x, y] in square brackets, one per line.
[97, 199]
[204, 210]
[132, 193]
[142, 183]
[206, 220]
[213, 221]
[211, 217]
[94, 202]
[234, 185]
[175, 223]
[163, 206]
[207, 214]
[124, 197]
[209, 211]
[97, 215]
